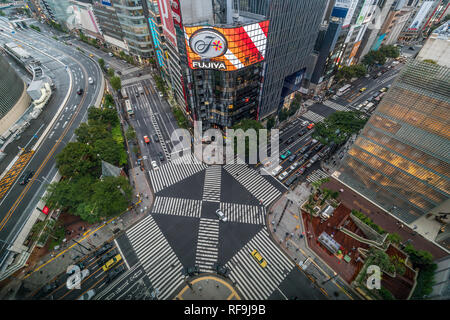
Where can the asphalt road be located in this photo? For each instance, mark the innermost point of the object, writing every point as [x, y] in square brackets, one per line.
[19, 201]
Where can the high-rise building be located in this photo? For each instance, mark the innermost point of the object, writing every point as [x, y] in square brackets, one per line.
[56, 10]
[134, 26]
[259, 54]
[109, 24]
[401, 158]
[15, 99]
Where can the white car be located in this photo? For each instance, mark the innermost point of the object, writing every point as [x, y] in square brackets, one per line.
[110, 54]
[283, 175]
[294, 165]
[154, 165]
[88, 295]
[221, 215]
[90, 80]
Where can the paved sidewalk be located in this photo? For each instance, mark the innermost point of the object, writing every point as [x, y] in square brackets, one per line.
[52, 264]
[207, 288]
[288, 230]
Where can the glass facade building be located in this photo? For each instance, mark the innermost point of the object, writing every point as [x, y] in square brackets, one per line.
[401, 159]
[134, 27]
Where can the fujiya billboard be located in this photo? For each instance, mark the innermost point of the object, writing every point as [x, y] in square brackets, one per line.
[165, 12]
[226, 49]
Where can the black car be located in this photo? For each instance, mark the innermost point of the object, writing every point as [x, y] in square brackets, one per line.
[80, 91]
[292, 158]
[155, 137]
[411, 48]
[291, 180]
[318, 147]
[161, 156]
[106, 257]
[103, 249]
[112, 274]
[288, 141]
[302, 132]
[26, 177]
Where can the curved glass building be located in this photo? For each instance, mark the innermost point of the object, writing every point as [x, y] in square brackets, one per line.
[14, 97]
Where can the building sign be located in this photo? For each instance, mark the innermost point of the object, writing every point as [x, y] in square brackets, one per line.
[420, 16]
[379, 41]
[354, 50]
[208, 43]
[350, 12]
[157, 42]
[165, 11]
[234, 48]
[106, 3]
[340, 8]
[176, 13]
[363, 13]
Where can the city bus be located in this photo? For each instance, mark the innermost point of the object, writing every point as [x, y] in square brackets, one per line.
[129, 108]
[344, 89]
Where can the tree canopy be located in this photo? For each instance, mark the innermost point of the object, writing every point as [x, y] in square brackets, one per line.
[116, 83]
[78, 159]
[355, 71]
[338, 127]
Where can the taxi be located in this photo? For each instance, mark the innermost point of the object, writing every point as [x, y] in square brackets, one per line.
[111, 262]
[362, 89]
[255, 254]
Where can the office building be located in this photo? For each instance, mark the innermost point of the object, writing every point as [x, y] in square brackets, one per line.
[401, 159]
[257, 60]
[15, 99]
[57, 10]
[134, 27]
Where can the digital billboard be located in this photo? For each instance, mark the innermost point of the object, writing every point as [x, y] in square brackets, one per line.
[157, 42]
[340, 8]
[165, 12]
[226, 49]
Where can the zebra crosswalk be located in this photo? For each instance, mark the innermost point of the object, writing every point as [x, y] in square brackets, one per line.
[243, 213]
[211, 188]
[259, 187]
[253, 281]
[335, 106]
[317, 175]
[207, 244]
[177, 206]
[160, 136]
[159, 261]
[171, 173]
[312, 116]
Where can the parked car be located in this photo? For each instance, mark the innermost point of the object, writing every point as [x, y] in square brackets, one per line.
[154, 165]
[221, 215]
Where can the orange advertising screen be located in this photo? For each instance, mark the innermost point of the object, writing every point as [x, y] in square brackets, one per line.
[226, 49]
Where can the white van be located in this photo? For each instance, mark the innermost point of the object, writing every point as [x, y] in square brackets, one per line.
[277, 170]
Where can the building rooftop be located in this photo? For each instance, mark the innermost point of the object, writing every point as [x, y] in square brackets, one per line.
[443, 32]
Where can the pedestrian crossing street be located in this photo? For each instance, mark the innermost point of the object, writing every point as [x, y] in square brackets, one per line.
[312, 116]
[171, 173]
[259, 187]
[243, 213]
[317, 175]
[156, 256]
[211, 188]
[207, 244]
[253, 281]
[335, 106]
[177, 206]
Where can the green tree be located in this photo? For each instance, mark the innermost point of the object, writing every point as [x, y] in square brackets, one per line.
[130, 133]
[270, 123]
[90, 133]
[111, 72]
[109, 100]
[108, 150]
[78, 159]
[106, 116]
[111, 196]
[69, 194]
[116, 83]
[381, 259]
[394, 238]
[101, 62]
[390, 51]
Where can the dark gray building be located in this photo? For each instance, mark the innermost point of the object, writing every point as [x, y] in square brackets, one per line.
[293, 29]
[109, 24]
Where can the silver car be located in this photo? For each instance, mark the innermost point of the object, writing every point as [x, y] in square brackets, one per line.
[221, 215]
